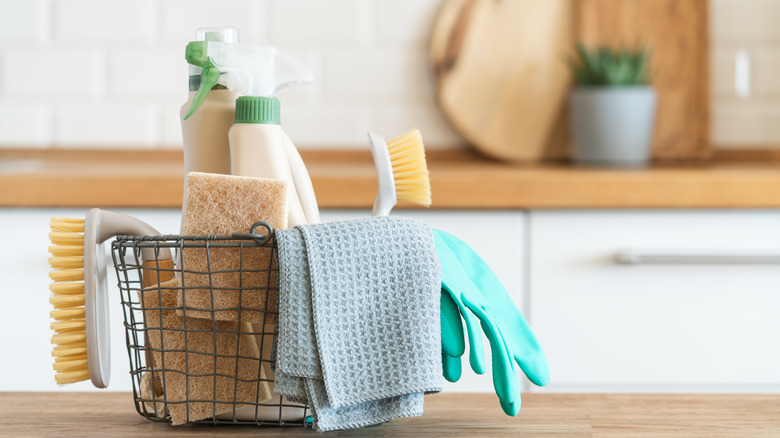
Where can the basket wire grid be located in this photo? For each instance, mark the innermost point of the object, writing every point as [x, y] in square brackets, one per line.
[153, 403]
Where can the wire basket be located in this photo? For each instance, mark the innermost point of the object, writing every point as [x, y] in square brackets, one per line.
[200, 331]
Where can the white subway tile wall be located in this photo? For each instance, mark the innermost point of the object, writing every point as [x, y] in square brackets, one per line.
[750, 26]
[111, 73]
[120, 62]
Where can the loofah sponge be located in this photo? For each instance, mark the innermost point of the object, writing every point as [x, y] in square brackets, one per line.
[190, 370]
[222, 205]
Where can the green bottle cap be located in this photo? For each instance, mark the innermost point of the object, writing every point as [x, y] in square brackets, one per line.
[262, 110]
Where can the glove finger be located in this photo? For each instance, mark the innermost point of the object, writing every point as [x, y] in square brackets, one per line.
[505, 380]
[451, 367]
[476, 349]
[510, 409]
[451, 327]
[535, 367]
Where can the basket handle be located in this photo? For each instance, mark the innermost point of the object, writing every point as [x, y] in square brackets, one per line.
[259, 238]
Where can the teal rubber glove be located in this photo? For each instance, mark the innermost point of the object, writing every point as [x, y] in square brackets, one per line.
[521, 340]
[472, 284]
[456, 283]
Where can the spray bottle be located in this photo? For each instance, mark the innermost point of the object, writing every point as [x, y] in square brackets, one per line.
[258, 146]
[206, 147]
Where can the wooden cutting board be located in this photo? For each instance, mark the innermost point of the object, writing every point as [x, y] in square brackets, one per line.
[501, 72]
[502, 79]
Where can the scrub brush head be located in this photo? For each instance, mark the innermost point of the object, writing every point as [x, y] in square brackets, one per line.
[80, 290]
[67, 263]
[410, 170]
[402, 171]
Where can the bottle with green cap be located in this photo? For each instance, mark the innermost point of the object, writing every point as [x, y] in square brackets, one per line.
[205, 133]
[258, 146]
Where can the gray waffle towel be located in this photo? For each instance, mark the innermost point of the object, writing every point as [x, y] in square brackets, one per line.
[359, 337]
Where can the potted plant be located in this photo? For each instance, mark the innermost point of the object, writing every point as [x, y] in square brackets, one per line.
[612, 107]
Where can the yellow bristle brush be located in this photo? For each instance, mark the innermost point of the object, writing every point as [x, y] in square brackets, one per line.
[402, 169]
[79, 292]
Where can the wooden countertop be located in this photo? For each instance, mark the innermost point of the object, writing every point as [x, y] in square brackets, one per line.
[452, 415]
[347, 179]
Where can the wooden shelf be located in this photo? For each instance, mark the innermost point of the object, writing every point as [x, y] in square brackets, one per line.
[347, 179]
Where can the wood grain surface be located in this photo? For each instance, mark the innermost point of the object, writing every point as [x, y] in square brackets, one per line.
[676, 31]
[347, 179]
[501, 74]
[68, 414]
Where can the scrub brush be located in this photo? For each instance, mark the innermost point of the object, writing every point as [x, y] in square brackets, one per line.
[79, 295]
[402, 169]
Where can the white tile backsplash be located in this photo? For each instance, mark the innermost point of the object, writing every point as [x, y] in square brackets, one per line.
[750, 26]
[111, 73]
[170, 124]
[395, 120]
[105, 21]
[105, 125]
[152, 72]
[322, 126]
[766, 71]
[53, 73]
[385, 75]
[745, 20]
[406, 22]
[746, 123]
[320, 23]
[24, 21]
[25, 124]
[369, 58]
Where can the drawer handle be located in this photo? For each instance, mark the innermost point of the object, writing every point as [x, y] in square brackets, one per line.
[638, 257]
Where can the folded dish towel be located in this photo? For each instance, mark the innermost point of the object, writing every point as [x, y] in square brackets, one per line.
[359, 335]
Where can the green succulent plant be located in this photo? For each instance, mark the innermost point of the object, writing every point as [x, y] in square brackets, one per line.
[605, 66]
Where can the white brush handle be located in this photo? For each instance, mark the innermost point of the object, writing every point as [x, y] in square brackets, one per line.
[385, 194]
[99, 226]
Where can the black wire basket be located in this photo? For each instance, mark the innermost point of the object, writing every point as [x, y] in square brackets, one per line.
[200, 330]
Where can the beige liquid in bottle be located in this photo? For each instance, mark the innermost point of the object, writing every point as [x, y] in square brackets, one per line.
[205, 133]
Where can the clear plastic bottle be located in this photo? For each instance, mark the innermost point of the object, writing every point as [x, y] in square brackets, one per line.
[205, 131]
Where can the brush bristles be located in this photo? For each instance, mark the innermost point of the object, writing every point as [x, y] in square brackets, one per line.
[410, 170]
[70, 262]
[67, 275]
[66, 314]
[66, 250]
[67, 298]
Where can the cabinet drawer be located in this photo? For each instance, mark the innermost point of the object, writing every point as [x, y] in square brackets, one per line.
[666, 327]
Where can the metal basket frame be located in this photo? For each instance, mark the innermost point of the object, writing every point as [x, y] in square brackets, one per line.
[126, 254]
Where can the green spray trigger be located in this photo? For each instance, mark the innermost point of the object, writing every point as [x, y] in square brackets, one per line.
[208, 79]
[260, 71]
[196, 54]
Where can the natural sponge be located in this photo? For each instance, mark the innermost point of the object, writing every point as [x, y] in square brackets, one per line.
[214, 278]
[199, 359]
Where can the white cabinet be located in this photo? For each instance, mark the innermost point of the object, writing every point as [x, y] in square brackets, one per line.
[657, 327]
[499, 236]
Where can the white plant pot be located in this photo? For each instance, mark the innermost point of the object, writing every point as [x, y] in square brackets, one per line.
[612, 126]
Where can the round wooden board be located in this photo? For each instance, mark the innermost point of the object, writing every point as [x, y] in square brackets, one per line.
[501, 73]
